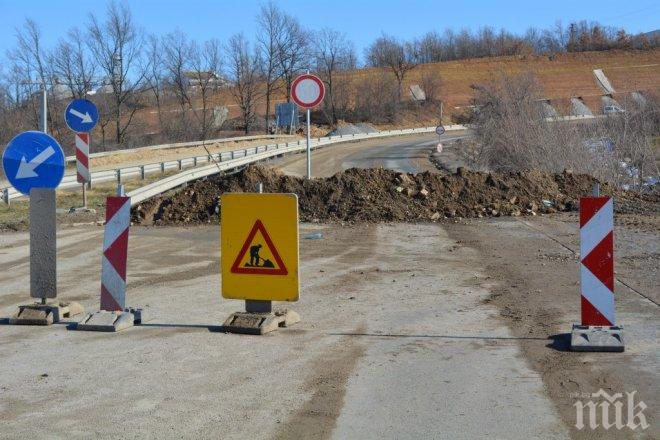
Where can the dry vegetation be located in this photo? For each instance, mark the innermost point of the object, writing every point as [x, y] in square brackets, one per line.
[512, 134]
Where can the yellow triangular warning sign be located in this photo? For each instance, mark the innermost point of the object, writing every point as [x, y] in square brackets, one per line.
[258, 254]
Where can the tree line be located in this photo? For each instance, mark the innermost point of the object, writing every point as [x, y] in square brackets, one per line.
[178, 78]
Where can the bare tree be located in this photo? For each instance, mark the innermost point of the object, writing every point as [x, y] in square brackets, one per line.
[177, 54]
[293, 51]
[244, 68]
[334, 53]
[71, 64]
[205, 64]
[155, 73]
[29, 65]
[431, 83]
[271, 23]
[398, 56]
[116, 45]
[376, 99]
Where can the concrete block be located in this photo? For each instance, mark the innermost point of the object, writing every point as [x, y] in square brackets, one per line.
[45, 314]
[596, 338]
[140, 315]
[259, 323]
[105, 321]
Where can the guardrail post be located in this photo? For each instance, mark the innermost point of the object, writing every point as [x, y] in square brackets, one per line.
[119, 176]
[195, 161]
[232, 154]
[5, 195]
[162, 167]
[180, 164]
[142, 172]
[256, 150]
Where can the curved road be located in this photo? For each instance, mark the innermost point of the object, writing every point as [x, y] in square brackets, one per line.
[409, 154]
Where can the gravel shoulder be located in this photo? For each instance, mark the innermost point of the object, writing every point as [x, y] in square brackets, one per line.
[533, 265]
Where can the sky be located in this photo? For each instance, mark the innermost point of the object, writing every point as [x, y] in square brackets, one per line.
[361, 20]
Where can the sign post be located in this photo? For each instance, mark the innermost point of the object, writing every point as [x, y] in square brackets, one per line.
[259, 259]
[308, 91]
[33, 162]
[81, 116]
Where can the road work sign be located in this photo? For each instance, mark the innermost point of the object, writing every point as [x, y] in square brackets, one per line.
[33, 159]
[81, 115]
[259, 247]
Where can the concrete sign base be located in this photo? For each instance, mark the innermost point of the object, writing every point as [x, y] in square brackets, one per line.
[45, 314]
[105, 321]
[596, 338]
[259, 323]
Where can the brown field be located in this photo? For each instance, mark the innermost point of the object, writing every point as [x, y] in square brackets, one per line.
[561, 77]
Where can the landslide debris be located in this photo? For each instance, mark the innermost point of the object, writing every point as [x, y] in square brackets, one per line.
[379, 195]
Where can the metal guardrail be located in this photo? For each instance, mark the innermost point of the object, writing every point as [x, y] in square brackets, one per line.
[182, 145]
[216, 162]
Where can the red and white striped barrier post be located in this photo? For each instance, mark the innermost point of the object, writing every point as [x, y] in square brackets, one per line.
[84, 175]
[597, 261]
[115, 253]
[113, 315]
[597, 331]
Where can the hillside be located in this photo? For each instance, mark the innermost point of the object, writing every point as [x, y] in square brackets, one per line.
[561, 77]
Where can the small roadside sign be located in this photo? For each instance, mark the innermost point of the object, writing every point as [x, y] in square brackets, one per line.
[440, 130]
[439, 148]
[33, 159]
[307, 91]
[259, 246]
[81, 115]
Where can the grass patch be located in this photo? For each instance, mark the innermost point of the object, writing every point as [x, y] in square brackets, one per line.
[15, 217]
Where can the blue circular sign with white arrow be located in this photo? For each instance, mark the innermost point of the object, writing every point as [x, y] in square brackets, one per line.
[81, 115]
[33, 159]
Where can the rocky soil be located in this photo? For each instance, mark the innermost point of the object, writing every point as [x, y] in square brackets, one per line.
[379, 195]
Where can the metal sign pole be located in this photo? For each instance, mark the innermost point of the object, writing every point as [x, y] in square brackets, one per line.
[44, 110]
[84, 191]
[43, 240]
[309, 150]
[258, 306]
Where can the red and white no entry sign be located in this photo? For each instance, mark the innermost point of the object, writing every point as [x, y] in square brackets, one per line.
[307, 91]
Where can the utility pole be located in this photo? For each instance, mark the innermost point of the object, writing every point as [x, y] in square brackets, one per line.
[44, 108]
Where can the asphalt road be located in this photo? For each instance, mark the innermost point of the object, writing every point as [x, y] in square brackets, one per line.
[408, 154]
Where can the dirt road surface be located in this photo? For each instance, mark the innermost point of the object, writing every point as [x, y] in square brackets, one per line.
[408, 331]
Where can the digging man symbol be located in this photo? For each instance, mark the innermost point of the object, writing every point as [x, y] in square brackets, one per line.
[254, 255]
[255, 258]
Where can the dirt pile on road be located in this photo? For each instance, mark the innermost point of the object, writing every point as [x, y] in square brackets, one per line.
[379, 195]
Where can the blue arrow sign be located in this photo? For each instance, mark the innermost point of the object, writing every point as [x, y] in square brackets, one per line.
[81, 115]
[33, 159]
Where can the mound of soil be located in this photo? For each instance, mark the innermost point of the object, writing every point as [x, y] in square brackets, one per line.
[379, 195]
